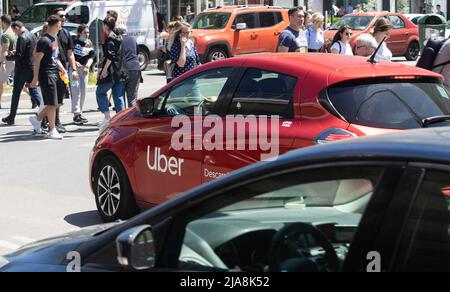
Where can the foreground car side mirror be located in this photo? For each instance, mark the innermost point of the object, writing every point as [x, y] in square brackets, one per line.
[241, 26]
[136, 248]
[146, 106]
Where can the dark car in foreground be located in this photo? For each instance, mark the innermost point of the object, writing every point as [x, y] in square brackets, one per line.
[375, 203]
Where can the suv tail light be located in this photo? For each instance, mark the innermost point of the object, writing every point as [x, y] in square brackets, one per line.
[333, 135]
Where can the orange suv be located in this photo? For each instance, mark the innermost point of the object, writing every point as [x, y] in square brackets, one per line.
[224, 32]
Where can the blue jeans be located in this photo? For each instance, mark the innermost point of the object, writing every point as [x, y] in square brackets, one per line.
[20, 78]
[118, 90]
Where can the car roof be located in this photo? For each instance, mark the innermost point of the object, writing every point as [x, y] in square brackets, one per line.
[422, 145]
[234, 8]
[382, 13]
[337, 67]
[54, 3]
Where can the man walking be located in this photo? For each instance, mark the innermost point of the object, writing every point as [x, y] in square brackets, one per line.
[24, 60]
[46, 71]
[293, 38]
[440, 12]
[8, 46]
[66, 57]
[130, 60]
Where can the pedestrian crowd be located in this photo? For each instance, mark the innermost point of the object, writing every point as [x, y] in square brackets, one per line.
[54, 67]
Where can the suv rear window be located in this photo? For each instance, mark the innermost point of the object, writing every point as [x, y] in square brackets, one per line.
[389, 103]
[211, 20]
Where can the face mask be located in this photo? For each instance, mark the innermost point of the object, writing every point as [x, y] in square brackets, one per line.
[82, 39]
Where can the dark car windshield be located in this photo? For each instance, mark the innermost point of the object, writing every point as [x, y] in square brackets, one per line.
[39, 13]
[211, 20]
[355, 22]
[389, 103]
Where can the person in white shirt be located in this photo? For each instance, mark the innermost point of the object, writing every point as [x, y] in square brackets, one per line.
[315, 33]
[382, 30]
[341, 41]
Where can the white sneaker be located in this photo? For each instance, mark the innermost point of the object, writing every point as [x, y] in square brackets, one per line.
[54, 135]
[103, 125]
[36, 124]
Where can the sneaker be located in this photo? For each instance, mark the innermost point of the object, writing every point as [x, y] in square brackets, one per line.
[36, 124]
[61, 128]
[84, 120]
[7, 121]
[103, 125]
[77, 120]
[54, 135]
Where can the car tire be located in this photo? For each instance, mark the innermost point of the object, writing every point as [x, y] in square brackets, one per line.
[216, 54]
[412, 53]
[144, 58]
[113, 194]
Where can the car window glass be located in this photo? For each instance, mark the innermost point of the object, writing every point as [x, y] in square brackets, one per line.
[426, 241]
[264, 93]
[39, 14]
[241, 232]
[211, 20]
[394, 105]
[200, 91]
[397, 22]
[78, 14]
[267, 19]
[247, 18]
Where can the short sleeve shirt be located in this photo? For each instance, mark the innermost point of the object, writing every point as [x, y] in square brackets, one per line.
[48, 45]
[65, 43]
[8, 37]
[192, 59]
[344, 49]
[294, 40]
[83, 52]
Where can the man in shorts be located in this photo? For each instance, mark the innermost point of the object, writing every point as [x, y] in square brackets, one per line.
[9, 40]
[46, 70]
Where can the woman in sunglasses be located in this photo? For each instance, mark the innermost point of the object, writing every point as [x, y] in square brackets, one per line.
[382, 31]
[182, 51]
[341, 41]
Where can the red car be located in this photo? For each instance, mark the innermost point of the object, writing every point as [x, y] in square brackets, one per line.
[318, 98]
[404, 40]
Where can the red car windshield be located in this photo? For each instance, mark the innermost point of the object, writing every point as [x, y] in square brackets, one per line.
[355, 22]
[391, 105]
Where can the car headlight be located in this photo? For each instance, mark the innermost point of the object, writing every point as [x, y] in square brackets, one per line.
[3, 262]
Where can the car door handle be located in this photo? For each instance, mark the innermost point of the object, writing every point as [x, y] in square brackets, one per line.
[254, 35]
[276, 32]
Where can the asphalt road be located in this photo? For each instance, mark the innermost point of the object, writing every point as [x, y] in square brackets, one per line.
[44, 189]
[44, 184]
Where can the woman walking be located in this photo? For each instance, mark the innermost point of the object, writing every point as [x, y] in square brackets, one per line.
[314, 34]
[341, 41]
[182, 51]
[84, 56]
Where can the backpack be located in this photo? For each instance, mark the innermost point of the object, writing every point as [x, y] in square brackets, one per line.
[430, 53]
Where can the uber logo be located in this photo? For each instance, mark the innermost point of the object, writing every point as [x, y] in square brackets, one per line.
[163, 164]
[74, 266]
[374, 266]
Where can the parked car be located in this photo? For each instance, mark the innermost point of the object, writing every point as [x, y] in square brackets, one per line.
[138, 15]
[404, 40]
[414, 17]
[371, 204]
[308, 98]
[229, 31]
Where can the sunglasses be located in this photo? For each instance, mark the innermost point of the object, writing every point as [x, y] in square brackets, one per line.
[348, 34]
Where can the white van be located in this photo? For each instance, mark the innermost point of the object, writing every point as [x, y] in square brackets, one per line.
[138, 15]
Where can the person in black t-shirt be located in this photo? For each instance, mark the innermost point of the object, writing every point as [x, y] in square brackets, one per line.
[66, 57]
[46, 70]
[84, 56]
